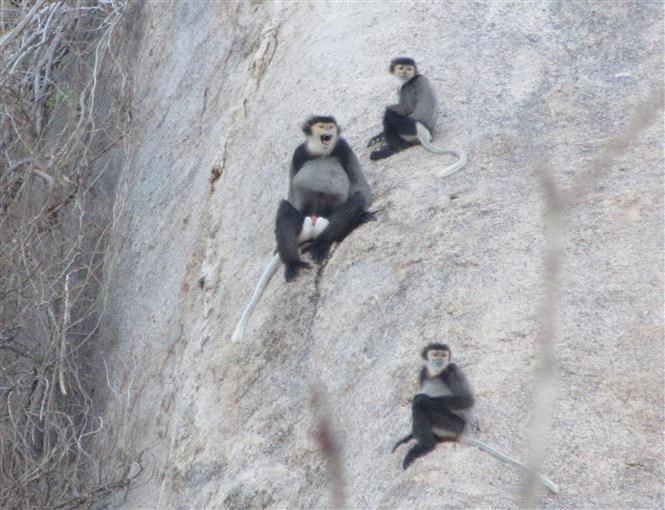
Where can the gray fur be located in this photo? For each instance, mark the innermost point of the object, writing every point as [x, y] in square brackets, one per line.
[417, 101]
[317, 177]
[337, 176]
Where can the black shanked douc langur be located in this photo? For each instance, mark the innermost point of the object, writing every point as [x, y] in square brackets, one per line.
[328, 197]
[325, 181]
[411, 121]
[441, 409]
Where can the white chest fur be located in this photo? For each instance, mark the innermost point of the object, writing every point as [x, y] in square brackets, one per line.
[435, 388]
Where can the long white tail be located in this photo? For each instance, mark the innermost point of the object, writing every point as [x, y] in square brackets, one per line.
[425, 138]
[501, 456]
[263, 281]
[311, 229]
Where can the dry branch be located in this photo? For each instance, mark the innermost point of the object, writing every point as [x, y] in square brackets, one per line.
[52, 54]
[329, 446]
[557, 207]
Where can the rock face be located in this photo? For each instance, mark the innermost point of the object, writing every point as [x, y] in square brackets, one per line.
[221, 89]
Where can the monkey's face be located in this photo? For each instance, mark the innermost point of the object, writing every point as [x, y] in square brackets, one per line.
[404, 71]
[437, 361]
[323, 137]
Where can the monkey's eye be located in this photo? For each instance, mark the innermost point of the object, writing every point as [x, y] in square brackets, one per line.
[439, 355]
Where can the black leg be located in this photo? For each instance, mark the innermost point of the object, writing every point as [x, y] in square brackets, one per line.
[287, 227]
[427, 413]
[448, 421]
[422, 424]
[345, 218]
[441, 416]
[394, 125]
[342, 222]
[422, 431]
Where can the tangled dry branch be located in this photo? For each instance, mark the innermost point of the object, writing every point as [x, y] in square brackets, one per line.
[57, 123]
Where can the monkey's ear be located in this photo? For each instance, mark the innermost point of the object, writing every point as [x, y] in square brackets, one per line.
[306, 128]
[423, 353]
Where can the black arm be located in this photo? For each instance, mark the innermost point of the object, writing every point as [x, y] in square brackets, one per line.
[422, 376]
[453, 377]
[462, 395]
[342, 222]
[300, 157]
[351, 165]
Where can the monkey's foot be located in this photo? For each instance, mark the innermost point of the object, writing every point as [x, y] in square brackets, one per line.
[375, 140]
[417, 451]
[319, 250]
[408, 459]
[383, 153]
[291, 271]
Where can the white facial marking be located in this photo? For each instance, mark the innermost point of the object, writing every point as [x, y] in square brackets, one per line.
[323, 139]
[404, 72]
[437, 361]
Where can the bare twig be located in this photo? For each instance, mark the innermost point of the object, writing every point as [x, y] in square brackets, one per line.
[63, 337]
[52, 258]
[544, 378]
[557, 207]
[9, 36]
[329, 446]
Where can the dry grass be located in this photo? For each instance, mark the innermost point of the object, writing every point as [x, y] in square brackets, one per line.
[53, 234]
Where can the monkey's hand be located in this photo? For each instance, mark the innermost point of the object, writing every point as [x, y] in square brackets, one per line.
[292, 270]
[319, 250]
[366, 217]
